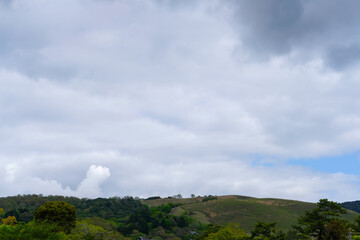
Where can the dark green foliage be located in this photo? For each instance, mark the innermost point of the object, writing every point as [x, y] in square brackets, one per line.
[165, 208]
[21, 214]
[291, 235]
[315, 223]
[13, 212]
[139, 221]
[106, 208]
[329, 208]
[153, 198]
[209, 198]
[147, 219]
[184, 220]
[354, 206]
[62, 214]
[356, 225]
[336, 229]
[266, 231]
[208, 230]
[144, 219]
[128, 215]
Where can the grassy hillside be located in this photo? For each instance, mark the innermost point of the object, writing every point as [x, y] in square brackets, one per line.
[241, 209]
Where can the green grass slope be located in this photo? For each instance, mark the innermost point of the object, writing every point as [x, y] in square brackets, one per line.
[243, 210]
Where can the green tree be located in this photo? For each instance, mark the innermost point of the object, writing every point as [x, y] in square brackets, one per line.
[232, 231]
[29, 231]
[336, 230]
[60, 213]
[85, 230]
[266, 231]
[356, 225]
[315, 223]
[209, 229]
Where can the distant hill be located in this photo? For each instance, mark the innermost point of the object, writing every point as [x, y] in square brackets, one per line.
[244, 210]
[353, 205]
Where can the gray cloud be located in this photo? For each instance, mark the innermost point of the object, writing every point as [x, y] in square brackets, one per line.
[5, 2]
[176, 5]
[342, 56]
[308, 28]
[270, 26]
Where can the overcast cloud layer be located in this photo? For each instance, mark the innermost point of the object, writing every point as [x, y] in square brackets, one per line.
[143, 98]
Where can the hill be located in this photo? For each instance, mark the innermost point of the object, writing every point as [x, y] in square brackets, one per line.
[244, 210]
[216, 210]
[353, 205]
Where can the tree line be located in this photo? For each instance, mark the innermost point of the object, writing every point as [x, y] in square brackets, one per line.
[60, 220]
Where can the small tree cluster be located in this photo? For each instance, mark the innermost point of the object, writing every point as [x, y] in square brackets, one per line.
[60, 213]
[323, 222]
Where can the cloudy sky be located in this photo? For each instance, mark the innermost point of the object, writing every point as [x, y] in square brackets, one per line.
[161, 97]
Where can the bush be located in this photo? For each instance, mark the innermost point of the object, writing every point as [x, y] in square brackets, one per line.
[32, 230]
[153, 198]
[209, 198]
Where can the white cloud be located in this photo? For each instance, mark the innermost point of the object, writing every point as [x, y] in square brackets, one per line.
[219, 176]
[16, 183]
[90, 186]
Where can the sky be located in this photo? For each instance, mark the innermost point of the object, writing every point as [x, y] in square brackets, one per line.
[102, 98]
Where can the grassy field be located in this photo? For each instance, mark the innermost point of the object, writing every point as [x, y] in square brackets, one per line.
[241, 209]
